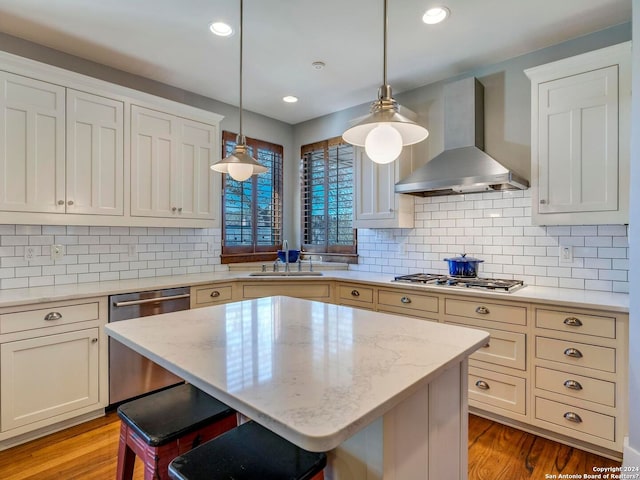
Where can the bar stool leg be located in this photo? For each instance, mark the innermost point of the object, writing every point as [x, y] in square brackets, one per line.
[126, 456]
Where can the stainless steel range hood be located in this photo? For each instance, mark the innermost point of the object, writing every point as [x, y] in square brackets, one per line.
[463, 166]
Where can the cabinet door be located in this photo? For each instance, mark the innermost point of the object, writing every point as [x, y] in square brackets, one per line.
[48, 376]
[153, 163]
[578, 142]
[376, 204]
[95, 154]
[195, 190]
[32, 145]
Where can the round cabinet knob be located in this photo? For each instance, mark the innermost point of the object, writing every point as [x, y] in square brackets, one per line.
[60, 202]
[94, 340]
[70, 202]
[482, 310]
[215, 294]
[405, 300]
[486, 345]
[543, 202]
[355, 293]
[180, 209]
[173, 209]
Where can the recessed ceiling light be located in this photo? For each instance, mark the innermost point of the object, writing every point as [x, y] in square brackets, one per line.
[221, 29]
[290, 99]
[435, 15]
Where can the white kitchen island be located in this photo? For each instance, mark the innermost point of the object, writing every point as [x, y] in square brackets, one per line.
[385, 396]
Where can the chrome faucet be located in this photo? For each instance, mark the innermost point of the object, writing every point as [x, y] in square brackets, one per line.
[285, 248]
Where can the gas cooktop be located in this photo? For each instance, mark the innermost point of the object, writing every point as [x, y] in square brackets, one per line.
[500, 284]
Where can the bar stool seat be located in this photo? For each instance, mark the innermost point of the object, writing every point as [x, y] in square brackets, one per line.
[159, 427]
[248, 452]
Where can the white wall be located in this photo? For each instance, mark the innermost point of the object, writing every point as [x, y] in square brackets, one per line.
[632, 452]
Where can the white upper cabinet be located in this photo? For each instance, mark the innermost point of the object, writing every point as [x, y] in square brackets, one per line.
[32, 145]
[580, 138]
[95, 154]
[170, 158]
[75, 150]
[376, 204]
[197, 193]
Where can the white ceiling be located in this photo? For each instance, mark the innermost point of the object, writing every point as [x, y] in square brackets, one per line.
[169, 41]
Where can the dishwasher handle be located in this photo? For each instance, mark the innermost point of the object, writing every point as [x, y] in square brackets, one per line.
[150, 300]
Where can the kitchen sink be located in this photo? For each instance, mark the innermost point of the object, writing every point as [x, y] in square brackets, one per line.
[285, 274]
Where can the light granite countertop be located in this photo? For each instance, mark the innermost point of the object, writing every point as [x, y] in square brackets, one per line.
[315, 373]
[618, 302]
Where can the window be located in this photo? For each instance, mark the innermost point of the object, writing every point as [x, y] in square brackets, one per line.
[252, 210]
[327, 200]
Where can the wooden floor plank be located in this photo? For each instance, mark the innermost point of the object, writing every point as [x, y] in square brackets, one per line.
[89, 452]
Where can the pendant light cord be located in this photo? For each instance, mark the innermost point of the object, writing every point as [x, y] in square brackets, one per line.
[384, 45]
[241, 35]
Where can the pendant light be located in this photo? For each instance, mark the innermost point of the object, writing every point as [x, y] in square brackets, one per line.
[384, 131]
[239, 165]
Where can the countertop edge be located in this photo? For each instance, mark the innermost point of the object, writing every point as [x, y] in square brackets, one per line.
[615, 302]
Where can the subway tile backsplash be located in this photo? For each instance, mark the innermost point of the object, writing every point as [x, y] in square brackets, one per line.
[94, 254]
[496, 227]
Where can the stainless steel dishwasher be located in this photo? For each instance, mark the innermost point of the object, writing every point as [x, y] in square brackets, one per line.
[130, 374]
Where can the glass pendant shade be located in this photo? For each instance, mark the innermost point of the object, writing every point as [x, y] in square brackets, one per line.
[383, 144]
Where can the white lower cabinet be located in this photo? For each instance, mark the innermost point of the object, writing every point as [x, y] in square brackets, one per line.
[48, 376]
[53, 367]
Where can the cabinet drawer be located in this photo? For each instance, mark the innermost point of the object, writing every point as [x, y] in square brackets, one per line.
[576, 386]
[497, 389]
[211, 295]
[48, 317]
[576, 323]
[355, 294]
[586, 421]
[504, 348]
[411, 303]
[486, 311]
[574, 353]
[290, 289]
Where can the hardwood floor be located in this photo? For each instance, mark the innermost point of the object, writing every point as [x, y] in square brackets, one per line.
[89, 451]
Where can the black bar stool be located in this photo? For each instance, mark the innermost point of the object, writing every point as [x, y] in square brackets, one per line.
[248, 452]
[159, 427]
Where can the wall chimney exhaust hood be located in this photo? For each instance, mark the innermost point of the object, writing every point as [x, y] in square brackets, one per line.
[463, 166]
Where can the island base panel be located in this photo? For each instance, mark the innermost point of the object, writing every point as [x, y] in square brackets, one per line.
[422, 438]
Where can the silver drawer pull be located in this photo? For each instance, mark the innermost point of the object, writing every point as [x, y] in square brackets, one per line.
[572, 322]
[573, 417]
[482, 310]
[53, 316]
[405, 300]
[355, 293]
[150, 300]
[573, 353]
[215, 294]
[482, 385]
[572, 385]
